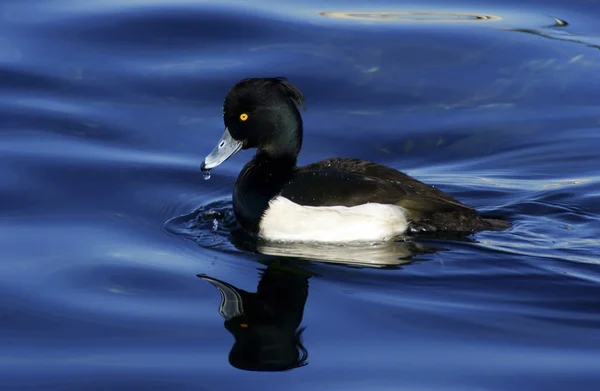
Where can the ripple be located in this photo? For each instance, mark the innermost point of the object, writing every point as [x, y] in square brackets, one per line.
[558, 31]
[412, 16]
[209, 226]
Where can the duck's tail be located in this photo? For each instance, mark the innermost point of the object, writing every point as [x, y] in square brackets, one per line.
[451, 222]
[497, 224]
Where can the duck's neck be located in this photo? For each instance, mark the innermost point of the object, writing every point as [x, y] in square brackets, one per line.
[268, 172]
[285, 135]
[279, 163]
[259, 181]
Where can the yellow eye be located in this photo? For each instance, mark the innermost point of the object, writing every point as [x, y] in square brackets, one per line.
[244, 117]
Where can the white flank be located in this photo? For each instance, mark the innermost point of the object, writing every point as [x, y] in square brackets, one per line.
[285, 220]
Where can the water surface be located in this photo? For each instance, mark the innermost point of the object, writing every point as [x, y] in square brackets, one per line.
[113, 245]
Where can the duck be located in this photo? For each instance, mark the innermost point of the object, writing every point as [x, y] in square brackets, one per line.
[335, 200]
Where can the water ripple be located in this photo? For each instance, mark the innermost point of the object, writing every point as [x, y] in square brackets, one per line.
[412, 16]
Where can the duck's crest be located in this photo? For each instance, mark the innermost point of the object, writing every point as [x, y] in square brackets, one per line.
[271, 83]
[290, 91]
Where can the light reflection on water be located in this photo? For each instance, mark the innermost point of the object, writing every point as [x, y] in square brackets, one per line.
[411, 16]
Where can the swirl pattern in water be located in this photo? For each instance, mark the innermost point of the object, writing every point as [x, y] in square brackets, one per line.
[412, 16]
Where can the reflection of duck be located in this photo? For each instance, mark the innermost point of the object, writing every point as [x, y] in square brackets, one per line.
[266, 324]
[377, 255]
[334, 200]
[383, 254]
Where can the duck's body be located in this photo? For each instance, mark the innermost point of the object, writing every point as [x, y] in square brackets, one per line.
[333, 200]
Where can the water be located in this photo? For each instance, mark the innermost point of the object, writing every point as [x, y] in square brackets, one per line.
[113, 245]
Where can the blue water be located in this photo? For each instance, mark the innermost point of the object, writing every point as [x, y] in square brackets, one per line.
[107, 108]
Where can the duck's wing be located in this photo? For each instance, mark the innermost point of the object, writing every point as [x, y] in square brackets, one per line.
[379, 171]
[358, 166]
[333, 187]
[378, 181]
[351, 182]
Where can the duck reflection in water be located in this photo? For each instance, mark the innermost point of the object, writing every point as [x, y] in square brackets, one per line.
[266, 324]
[378, 255]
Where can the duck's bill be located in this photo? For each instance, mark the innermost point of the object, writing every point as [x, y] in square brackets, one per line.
[226, 148]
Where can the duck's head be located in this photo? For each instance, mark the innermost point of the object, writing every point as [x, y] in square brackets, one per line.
[260, 113]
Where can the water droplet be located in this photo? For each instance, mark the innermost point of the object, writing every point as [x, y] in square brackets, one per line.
[206, 175]
[215, 225]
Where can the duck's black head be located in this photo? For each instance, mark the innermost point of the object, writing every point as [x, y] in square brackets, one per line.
[260, 113]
